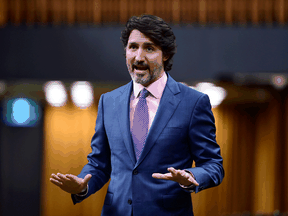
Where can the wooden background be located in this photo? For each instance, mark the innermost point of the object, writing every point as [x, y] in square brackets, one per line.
[118, 11]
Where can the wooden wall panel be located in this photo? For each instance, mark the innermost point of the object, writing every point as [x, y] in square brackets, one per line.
[89, 11]
[285, 167]
[71, 15]
[158, 8]
[104, 11]
[176, 8]
[3, 12]
[211, 11]
[265, 180]
[30, 11]
[228, 12]
[118, 11]
[97, 11]
[242, 12]
[123, 5]
[56, 6]
[255, 163]
[109, 5]
[149, 6]
[80, 11]
[68, 132]
[280, 11]
[17, 9]
[203, 11]
[185, 11]
[221, 11]
[255, 11]
[268, 11]
[41, 11]
[166, 10]
[195, 11]
[249, 11]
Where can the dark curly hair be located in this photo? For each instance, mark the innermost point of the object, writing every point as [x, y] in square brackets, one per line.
[157, 30]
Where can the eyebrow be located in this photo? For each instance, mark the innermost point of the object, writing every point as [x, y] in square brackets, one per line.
[145, 43]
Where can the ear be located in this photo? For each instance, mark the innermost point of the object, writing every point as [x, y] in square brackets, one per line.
[165, 58]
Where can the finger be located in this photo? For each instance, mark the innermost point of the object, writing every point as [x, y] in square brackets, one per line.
[57, 183]
[55, 177]
[71, 177]
[166, 176]
[157, 175]
[172, 170]
[193, 181]
[190, 178]
[62, 177]
[185, 174]
[87, 178]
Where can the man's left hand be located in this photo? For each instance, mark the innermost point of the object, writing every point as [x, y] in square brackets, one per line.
[180, 176]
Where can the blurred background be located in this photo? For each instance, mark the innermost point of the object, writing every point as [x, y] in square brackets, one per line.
[58, 56]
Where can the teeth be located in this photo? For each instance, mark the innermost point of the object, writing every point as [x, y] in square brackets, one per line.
[141, 71]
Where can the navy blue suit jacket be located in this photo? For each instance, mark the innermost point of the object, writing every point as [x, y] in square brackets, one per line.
[183, 130]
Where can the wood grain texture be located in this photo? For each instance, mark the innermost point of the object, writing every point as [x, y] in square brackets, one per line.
[3, 12]
[119, 11]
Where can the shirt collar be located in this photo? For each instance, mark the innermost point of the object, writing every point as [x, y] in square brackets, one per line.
[156, 88]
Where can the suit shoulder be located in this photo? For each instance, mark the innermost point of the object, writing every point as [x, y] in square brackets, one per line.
[118, 91]
[190, 92]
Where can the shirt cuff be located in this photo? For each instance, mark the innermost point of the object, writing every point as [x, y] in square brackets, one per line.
[83, 193]
[189, 188]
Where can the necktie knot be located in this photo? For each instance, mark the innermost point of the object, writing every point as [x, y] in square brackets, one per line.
[144, 93]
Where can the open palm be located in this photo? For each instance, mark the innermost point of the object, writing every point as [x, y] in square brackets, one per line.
[180, 176]
[70, 183]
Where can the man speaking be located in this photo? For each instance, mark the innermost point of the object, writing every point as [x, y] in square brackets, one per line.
[148, 133]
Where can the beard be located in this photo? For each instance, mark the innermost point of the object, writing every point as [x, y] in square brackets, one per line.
[142, 79]
[147, 77]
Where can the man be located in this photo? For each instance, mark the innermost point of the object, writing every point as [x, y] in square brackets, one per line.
[144, 128]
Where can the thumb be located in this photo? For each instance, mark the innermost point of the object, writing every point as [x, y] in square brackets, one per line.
[87, 178]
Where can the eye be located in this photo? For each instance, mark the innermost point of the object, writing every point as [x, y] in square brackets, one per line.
[150, 49]
[132, 47]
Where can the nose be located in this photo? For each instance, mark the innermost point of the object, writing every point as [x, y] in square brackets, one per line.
[140, 55]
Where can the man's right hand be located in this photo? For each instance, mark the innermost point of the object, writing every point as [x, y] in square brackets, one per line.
[70, 183]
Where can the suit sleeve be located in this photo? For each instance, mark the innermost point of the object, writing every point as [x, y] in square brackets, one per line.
[99, 164]
[205, 151]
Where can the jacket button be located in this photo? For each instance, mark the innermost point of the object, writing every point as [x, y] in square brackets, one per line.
[129, 201]
[135, 172]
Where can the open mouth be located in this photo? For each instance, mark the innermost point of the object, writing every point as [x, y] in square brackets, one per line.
[140, 67]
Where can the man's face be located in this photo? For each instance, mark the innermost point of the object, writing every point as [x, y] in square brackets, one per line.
[144, 59]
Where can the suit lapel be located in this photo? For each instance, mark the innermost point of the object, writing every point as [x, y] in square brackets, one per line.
[168, 104]
[124, 120]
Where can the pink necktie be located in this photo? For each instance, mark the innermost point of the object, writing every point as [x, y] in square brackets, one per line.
[139, 129]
